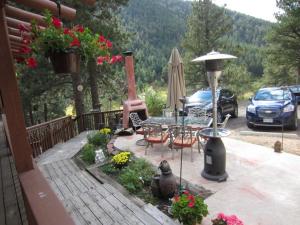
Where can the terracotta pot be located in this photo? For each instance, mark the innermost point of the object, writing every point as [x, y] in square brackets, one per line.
[63, 62]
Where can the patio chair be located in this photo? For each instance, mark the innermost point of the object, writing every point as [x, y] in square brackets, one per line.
[202, 140]
[224, 123]
[137, 124]
[182, 136]
[154, 134]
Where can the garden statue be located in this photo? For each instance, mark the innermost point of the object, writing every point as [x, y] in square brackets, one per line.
[164, 185]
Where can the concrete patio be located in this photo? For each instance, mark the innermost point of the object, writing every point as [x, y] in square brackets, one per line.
[262, 188]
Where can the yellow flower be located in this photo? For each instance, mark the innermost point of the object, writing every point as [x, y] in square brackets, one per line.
[105, 131]
[121, 158]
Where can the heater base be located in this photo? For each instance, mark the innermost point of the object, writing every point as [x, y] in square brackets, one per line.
[219, 178]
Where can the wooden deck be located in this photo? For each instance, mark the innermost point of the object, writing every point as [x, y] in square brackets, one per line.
[12, 210]
[87, 200]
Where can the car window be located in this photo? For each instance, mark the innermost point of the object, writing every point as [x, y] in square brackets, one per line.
[227, 94]
[201, 95]
[272, 95]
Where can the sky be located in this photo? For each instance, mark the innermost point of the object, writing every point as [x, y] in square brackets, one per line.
[263, 9]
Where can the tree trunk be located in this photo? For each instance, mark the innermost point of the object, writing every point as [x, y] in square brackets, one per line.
[94, 93]
[298, 77]
[45, 112]
[93, 84]
[30, 114]
[78, 97]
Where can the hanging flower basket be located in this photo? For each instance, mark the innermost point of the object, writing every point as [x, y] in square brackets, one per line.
[65, 62]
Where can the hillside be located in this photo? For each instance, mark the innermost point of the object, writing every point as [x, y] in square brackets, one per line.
[159, 25]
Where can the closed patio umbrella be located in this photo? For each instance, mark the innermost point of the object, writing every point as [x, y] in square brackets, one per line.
[176, 83]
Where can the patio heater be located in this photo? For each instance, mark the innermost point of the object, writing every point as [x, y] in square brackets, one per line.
[214, 151]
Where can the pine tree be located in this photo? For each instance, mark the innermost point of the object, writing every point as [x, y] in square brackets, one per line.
[284, 38]
[206, 25]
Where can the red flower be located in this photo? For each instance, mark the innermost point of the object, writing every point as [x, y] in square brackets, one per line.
[191, 198]
[191, 204]
[67, 31]
[31, 62]
[79, 28]
[101, 39]
[22, 28]
[102, 59]
[186, 192]
[20, 59]
[116, 58]
[75, 42]
[108, 44]
[26, 41]
[25, 50]
[56, 22]
[176, 198]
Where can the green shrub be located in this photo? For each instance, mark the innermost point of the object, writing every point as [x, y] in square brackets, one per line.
[109, 169]
[144, 170]
[155, 101]
[98, 139]
[88, 153]
[130, 180]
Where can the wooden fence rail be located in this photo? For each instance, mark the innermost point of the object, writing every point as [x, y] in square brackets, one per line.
[45, 135]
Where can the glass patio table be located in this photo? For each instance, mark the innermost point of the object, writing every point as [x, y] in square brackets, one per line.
[194, 122]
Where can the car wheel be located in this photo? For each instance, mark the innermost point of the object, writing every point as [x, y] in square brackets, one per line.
[294, 124]
[235, 112]
[219, 116]
[250, 125]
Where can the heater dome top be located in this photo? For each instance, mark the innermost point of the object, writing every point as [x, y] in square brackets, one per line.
[213, 56]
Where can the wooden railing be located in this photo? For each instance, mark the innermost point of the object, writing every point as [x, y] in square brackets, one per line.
[98, 120]
[45, 135]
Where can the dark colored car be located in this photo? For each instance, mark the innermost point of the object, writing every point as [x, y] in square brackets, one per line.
[273, 107]
[226, 102]
[296, 91]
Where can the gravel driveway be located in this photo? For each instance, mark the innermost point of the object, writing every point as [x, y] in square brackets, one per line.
[265, 136]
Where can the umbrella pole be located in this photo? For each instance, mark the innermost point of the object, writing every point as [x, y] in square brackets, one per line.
[181, 150]
[175, 114]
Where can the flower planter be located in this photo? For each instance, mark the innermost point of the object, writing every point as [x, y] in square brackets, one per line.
[65, 62]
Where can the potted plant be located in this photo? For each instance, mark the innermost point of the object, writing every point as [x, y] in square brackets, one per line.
[188, 209]
[121, 160]
[64, 46]
[223, 219]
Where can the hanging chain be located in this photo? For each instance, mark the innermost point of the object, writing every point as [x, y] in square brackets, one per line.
[58, 4]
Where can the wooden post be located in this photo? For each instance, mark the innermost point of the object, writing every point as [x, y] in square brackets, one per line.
[12, 103]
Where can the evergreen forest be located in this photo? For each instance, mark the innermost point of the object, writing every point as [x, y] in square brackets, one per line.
[268, 53]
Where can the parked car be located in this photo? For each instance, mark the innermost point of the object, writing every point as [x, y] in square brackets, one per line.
[273, 107]
[296, 91]
[226, 102]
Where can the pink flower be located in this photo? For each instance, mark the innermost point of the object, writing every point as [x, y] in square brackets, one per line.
[56, 22]
[31, 62]
[101, 39]
[79, 28]
[75, 43]
[108, 44]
